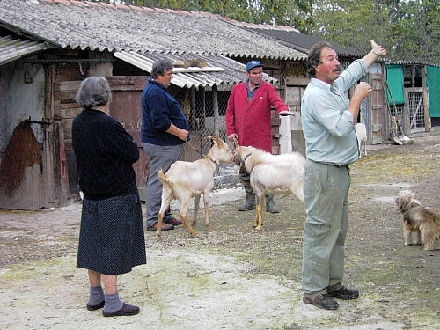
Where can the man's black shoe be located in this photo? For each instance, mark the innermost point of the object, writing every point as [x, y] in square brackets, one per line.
[172, 221]
[322, 301]
[344, 294]
[164, 227]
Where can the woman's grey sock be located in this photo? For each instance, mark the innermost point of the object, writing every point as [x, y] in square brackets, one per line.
[96, 295]
[112, 303]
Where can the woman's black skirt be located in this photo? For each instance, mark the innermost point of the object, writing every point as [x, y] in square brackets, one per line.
[111, 238]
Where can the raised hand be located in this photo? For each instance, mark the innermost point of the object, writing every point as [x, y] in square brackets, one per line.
[376, 49]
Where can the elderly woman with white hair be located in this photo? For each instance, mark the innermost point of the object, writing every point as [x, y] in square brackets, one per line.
[111, 239]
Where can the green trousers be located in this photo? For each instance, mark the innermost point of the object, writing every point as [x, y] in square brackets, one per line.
[325, 229]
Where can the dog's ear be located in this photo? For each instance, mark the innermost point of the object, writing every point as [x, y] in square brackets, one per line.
[405, 201]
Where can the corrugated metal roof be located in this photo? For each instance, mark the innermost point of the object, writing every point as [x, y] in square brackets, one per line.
[218, 71]
[304, 42]
[100, 26]
[291, 37]
[13, 49]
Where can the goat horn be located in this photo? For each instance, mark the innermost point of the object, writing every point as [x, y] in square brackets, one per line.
[218, 140]
[215, 139]
[236, 143]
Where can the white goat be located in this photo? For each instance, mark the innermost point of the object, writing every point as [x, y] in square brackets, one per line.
[361, 136]
[185, 180]
[272, 174]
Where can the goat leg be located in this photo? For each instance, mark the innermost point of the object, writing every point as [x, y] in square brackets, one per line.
[299, 192]
[256, 221]
[167, 197]
[187, 226]
[160, 216]
[206, 206]
[259, 211]
[183, 216]
[196, 208]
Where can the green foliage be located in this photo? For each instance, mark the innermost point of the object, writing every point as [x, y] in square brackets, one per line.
[350, 23]
[408, 29]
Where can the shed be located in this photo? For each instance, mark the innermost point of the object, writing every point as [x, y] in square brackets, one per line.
[48, 46]
[412, 96]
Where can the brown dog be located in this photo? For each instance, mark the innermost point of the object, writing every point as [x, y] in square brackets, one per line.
[421, 225]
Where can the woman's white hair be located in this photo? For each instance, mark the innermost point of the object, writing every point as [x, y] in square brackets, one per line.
[93, 91]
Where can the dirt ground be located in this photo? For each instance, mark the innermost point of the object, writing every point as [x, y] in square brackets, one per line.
[233, 277]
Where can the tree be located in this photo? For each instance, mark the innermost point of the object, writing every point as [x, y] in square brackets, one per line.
[350, 23]
[409, 29]
[415, 31]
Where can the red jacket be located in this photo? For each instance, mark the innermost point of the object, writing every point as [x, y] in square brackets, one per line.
[251, 120]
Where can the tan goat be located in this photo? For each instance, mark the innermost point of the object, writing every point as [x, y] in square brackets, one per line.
[272, 174]
[185, 180]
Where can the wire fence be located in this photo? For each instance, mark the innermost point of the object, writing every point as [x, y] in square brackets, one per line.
[205, 109]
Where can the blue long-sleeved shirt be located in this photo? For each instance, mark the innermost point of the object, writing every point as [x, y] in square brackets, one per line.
[159, 111]
[328, 126]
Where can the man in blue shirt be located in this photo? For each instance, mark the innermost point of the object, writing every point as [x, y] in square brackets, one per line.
[163, 132]
[328, 119]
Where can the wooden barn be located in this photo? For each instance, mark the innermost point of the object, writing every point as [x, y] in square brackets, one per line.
[47, 47]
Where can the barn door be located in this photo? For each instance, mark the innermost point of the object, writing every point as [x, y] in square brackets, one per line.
[126, 108]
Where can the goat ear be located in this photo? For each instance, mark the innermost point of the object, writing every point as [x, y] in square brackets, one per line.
[208, 137]
[218, 141]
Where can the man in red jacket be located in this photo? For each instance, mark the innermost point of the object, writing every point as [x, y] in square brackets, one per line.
[248, 121]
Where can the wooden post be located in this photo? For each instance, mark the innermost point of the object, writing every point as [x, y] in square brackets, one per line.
[425, 97]
[215, 108]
